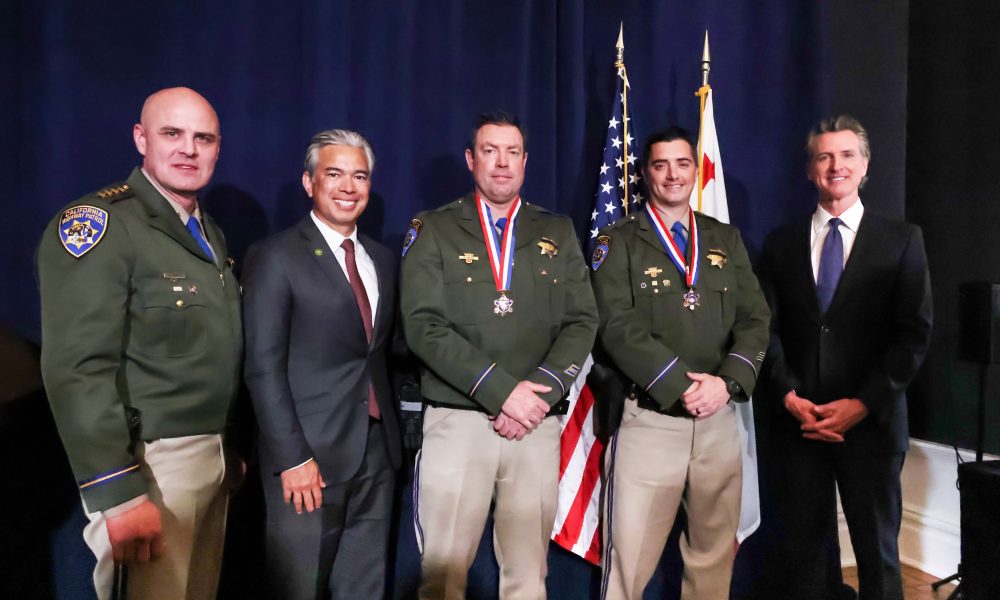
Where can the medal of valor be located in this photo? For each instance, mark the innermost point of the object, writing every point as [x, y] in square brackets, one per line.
[691, 299]
[687, 265]
[500, 251]
[503, 305]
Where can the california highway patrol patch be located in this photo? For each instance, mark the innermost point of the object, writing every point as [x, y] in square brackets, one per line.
[600, 251]
[82, 228]
[411, 234]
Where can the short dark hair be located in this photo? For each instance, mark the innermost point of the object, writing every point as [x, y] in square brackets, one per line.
[496, 117]
[668, 134]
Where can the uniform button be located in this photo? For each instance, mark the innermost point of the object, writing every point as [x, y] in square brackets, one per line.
[631, 396]
[180, 303]
[468, 280]
[824, 329]
[555, 281]
[656, 291]
[725, 289]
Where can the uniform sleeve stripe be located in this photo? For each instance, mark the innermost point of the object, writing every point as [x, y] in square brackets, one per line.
[552, 375]
[747, 361]
[481, 379]
[105, 478]
[662, 373]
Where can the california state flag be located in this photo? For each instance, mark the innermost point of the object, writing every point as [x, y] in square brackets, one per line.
[713, 184]
[712, 202]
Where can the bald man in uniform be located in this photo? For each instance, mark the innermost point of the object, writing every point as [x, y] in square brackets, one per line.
[141, 350]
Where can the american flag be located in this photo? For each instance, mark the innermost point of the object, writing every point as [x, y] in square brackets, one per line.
[618, 182]
[578, 520]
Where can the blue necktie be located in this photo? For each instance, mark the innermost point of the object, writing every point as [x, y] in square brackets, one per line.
[192, 226]
[831, 265]
[501, 223]
[678, 234]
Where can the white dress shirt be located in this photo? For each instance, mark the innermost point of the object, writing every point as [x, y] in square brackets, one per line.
[848, 232]
[366, 267]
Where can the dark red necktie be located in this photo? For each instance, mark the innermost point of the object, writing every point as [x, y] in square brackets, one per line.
[361, 296]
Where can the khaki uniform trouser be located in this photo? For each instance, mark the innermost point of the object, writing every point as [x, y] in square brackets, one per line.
[656, 462]
[462, 467]
[185, 477]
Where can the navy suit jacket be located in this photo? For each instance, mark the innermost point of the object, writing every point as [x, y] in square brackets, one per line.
[308, 361]
[870, 342]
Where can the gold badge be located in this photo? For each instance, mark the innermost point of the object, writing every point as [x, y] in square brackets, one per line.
[549, 247]
[468, 257]
[653, 271]
[717, 257]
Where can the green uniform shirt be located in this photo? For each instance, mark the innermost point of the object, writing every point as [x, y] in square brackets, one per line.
[140, 330]
[648, 332]
[473, 356]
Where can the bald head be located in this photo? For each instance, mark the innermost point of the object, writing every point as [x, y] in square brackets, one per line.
[178, 136]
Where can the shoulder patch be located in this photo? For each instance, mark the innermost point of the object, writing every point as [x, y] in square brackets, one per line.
[411, 234]
[81, 228]
[601, 251]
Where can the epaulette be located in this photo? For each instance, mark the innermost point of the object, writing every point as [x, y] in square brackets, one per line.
[538, 208]
[114, 193]
[702, 215]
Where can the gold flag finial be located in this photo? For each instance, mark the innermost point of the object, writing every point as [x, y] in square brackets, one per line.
[706, 62]
[621, 43]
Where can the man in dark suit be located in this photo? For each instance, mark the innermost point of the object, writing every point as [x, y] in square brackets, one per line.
[319, 301]
[851, 319]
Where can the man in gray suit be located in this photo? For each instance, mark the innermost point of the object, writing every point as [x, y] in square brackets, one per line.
[319, 302]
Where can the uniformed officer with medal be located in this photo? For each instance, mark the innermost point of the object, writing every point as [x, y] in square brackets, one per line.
[685, 323]
[497, 305]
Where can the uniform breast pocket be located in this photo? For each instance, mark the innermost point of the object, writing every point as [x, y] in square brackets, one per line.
[168, 318]
[549, 289]
[469, 293]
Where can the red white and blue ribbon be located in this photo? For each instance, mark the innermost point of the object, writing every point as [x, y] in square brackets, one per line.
[499, 249]
[688, 266]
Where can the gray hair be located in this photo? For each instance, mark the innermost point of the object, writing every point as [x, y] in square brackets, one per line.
[840, 123]
[337, 137]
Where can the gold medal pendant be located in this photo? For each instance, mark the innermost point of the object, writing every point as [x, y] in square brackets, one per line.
[691, 299]
[503, 305]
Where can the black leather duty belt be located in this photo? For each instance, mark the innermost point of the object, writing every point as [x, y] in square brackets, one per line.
[647, 403]
[559, 408]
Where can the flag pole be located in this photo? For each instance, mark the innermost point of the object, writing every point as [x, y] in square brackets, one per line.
[620, 64]
[702, 93]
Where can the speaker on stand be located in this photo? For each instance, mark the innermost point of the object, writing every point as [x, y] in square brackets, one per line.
[979, 482]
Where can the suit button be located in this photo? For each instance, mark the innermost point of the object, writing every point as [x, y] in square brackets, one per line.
[824, 329]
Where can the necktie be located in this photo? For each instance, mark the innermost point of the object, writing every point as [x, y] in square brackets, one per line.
[831, 265]
[501, 223]
[677, 231]
[361, 296]
[192, 226]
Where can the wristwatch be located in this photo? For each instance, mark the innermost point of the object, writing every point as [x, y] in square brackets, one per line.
[734, 388]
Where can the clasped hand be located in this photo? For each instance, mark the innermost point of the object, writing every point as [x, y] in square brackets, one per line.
[825, 422]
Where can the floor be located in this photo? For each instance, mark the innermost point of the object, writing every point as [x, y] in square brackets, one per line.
[916, 584]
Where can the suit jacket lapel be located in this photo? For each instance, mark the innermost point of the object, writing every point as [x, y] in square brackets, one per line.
[162, 215]
[470, 218]
[864, 246]
[313, 240]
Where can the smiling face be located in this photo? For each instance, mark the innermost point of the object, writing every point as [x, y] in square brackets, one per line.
[670, 175]
[837, 166]
[339, 186]
[497, 163]
[178, 136]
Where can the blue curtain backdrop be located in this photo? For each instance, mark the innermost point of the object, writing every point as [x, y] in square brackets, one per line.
[411, 75]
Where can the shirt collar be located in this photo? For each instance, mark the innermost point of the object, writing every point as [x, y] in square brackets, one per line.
[333, 237]
[850, 217]
[183, 214]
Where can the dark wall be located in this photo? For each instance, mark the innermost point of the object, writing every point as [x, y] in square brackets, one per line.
[953, 181]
